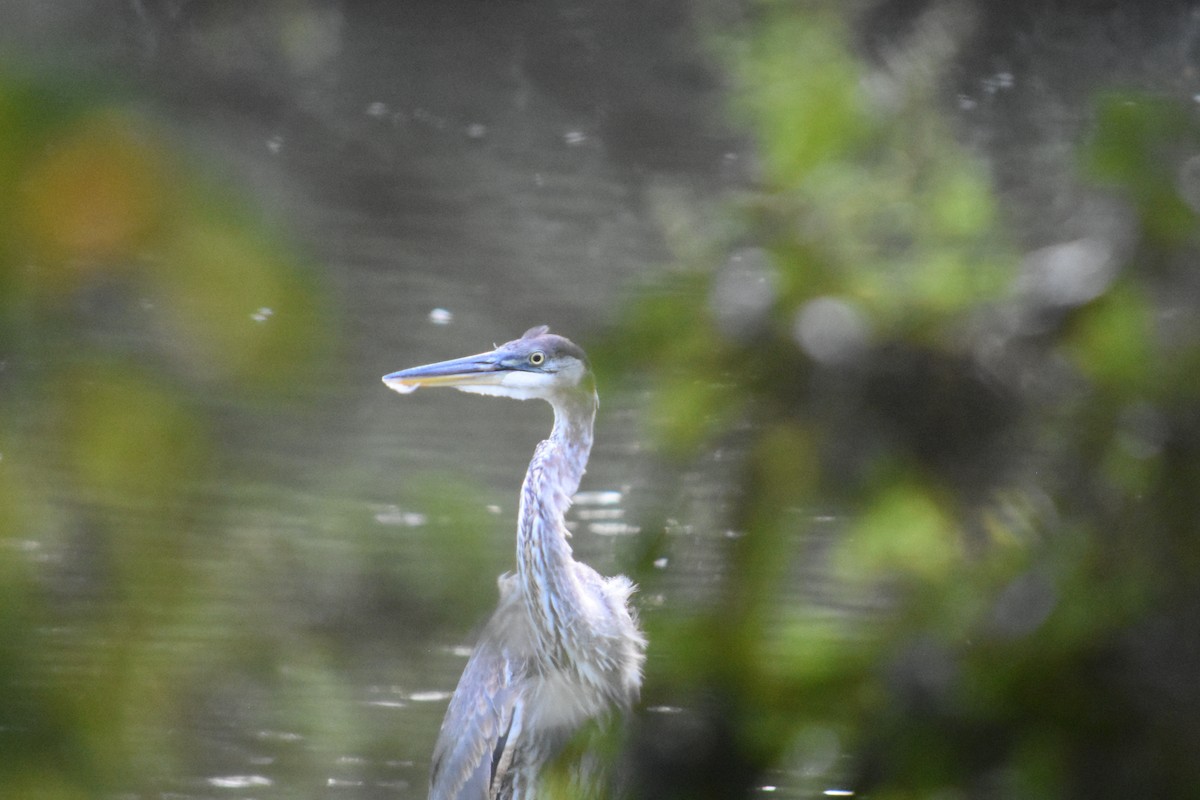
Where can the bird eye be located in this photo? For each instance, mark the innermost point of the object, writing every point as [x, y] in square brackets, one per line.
[537, 358]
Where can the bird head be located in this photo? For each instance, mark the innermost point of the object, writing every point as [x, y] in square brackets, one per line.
[539, 365]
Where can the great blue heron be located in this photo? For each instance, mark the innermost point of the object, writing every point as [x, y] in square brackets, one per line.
[563, 646]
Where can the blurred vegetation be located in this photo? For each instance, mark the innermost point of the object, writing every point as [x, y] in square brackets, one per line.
[122, 615]
[996, 458]
[990, 459]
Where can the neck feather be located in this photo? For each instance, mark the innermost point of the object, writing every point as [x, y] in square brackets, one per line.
[544, 563]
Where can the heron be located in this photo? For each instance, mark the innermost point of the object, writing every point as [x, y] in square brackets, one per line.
[563, 646]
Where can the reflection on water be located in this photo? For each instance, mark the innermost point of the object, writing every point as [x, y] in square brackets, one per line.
[602, 512]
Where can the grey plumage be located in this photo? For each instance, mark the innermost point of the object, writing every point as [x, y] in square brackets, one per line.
[563, 646]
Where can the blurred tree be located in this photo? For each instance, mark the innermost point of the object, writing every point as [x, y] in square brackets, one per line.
[995, 458]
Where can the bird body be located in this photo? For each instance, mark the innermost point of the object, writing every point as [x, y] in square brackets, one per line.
[563, 645]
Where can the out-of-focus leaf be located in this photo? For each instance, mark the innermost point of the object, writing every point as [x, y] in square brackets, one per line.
[815, 651]
[1113, 341]
[94, 195]
[132, 443]
[1138, 145]
[960, 202]
[904, 531]
[805, 95]
[688, 411]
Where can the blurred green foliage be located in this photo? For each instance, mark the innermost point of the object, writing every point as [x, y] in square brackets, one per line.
[997, 487]
[999, 483]
[116, 604]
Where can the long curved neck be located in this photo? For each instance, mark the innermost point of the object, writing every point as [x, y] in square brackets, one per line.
[545, 567]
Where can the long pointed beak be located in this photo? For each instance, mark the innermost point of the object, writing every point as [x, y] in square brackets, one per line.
[476, 370]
